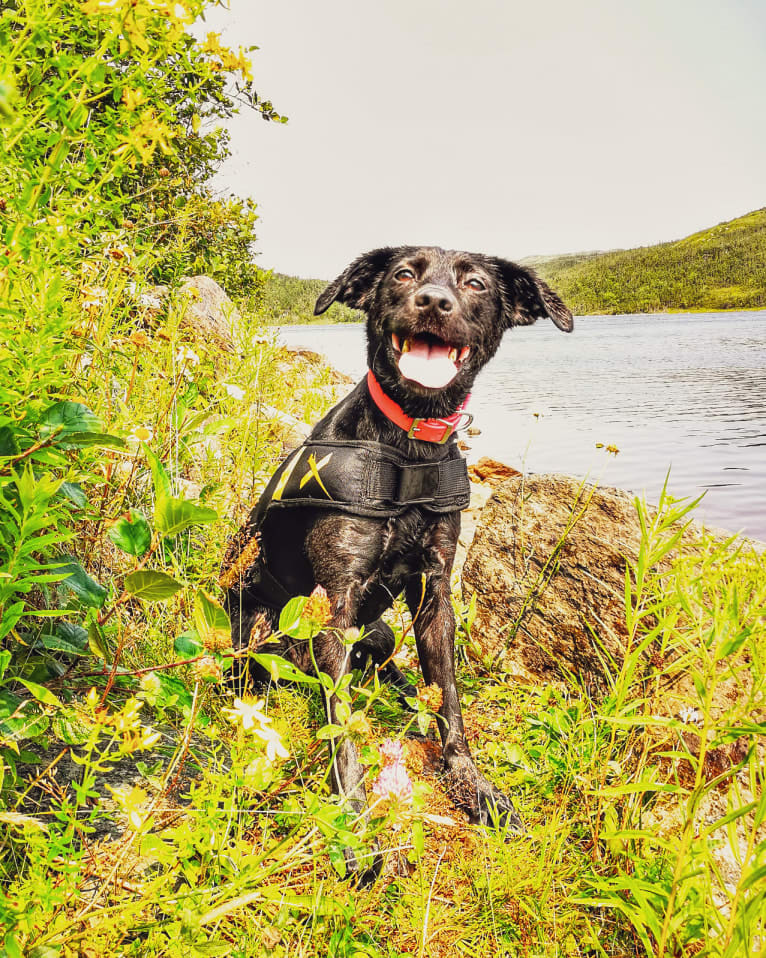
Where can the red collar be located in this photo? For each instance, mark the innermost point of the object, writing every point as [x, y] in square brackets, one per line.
[429, 430]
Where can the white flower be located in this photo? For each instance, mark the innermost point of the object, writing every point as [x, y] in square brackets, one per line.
[187, 355]
[150, 301]
[234, 391]
[248, 713]
[690, 716]
[274, 746]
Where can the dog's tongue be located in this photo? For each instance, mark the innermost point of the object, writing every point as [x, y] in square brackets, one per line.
[428, 364]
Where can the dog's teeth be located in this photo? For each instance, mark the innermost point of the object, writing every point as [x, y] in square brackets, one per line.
[395, 340]
[406, 346]
[453, 354]
[464, 353]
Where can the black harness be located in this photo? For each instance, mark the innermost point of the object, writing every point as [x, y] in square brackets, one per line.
[366, 479]
[357, 477]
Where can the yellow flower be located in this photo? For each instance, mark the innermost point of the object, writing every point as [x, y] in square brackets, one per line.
[133, 98]
[139, 339]
[212, 44]
[131, 801]
[140, 434]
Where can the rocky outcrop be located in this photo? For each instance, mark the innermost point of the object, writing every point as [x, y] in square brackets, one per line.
[208, 311]
[547, 565]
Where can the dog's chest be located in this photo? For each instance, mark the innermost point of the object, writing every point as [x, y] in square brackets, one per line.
[412, 543]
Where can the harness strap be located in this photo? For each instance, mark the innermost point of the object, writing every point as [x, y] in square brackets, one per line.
[366, 479]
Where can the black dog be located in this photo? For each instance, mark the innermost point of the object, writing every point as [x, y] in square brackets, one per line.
[369, 506]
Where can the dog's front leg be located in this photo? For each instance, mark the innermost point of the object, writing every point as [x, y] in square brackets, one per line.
[434, 625]
[347, 774]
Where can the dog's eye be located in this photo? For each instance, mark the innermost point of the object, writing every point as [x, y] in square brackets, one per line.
[475, 283]
[404, 275]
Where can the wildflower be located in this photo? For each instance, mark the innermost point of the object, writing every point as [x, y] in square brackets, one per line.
[274, 746]
[118, 252]
[431, 697]
[392, 751]
[317, 608]
[151, 688]
[234, 391]
[351, 635]
[690, 716]
[139, 339]
[247, 713]
[213, 44]
[151, 301]
[140, 434]
[93, 297]
[250, 715]
[130, 801]
[128, 719]
[185, 355]
[207, 669]
[393, 782]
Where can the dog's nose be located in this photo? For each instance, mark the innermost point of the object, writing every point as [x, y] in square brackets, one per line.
[437, 296]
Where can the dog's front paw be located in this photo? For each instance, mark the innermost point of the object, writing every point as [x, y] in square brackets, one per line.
[485, 804]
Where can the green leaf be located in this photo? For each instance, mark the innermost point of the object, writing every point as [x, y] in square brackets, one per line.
[10, 617]
[65, 419]
[131, 533]
[9, 444]
[174, 692]
[211, 621]
[103, 439]
[188, 645]
[5, 658]
[69, 727]
[160, 477]
[28, 723]
[291, 619]
[174, 515]
[87, 590]
[155, 849]
[41, 693]
[64, 637]
[73, 491]
[151, 585]
[97, 642]
[282, 670]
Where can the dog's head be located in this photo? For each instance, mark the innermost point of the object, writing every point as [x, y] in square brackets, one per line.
[435, 317]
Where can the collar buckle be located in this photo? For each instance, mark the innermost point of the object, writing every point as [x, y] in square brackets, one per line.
[412, 432]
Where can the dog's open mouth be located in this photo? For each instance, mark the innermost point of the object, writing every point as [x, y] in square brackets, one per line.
[428, 360]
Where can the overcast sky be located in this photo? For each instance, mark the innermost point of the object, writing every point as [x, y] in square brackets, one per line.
[499, 126]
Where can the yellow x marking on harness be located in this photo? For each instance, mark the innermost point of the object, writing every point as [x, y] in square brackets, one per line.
[313, 471]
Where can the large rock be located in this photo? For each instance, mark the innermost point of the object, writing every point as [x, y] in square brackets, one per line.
[209, 311]
[547, 565]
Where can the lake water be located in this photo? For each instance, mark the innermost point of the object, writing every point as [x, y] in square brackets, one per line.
[679, 392]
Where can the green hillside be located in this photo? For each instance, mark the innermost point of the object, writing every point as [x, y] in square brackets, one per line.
[289, 299]
[719, 268]
[723, 267]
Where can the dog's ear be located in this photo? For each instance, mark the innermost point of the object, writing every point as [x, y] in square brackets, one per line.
[356, 284]
[528, 298]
